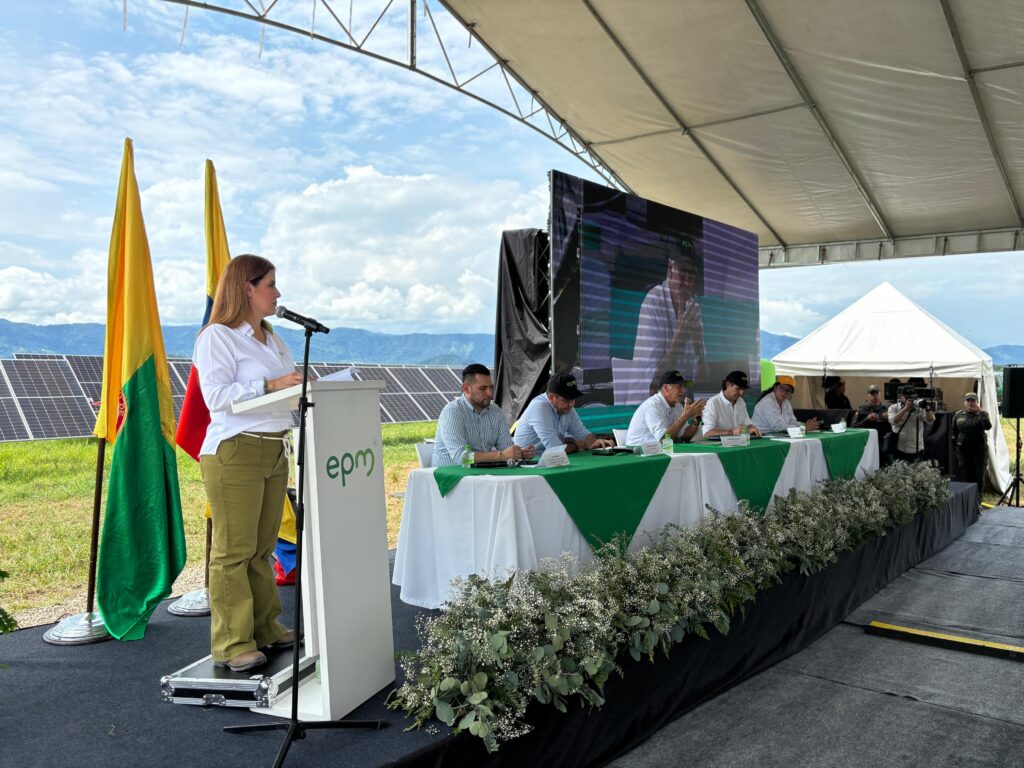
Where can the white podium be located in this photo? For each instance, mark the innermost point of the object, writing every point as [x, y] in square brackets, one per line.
[346, 598]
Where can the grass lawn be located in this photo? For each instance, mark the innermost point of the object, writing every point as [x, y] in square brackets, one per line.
[46, 500]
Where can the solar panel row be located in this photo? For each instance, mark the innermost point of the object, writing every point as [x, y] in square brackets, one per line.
[51, 396]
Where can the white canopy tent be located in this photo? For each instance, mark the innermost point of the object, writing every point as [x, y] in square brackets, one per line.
[884, 335]
[835, 130]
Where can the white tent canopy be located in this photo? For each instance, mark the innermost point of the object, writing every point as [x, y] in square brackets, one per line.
[885, 335]
[835, 130]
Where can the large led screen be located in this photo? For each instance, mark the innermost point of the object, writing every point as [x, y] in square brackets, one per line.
[639, 288]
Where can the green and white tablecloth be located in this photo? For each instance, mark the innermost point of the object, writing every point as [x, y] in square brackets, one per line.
[458, 522]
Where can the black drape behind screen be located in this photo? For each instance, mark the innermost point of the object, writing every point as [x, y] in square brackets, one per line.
[522, 348]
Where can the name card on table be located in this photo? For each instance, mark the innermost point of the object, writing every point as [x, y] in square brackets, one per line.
[795, 431]
[651, 449]
[554, 457]
[840, 427]
[736, 441]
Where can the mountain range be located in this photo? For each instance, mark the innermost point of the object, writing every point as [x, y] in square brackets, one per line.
[350, 345]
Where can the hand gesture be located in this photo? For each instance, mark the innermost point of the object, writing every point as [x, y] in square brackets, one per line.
[694, 409]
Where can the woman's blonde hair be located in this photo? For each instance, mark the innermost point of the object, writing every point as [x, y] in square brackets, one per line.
[231, 303]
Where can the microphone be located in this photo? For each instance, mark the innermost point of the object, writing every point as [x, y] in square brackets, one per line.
[306, 322]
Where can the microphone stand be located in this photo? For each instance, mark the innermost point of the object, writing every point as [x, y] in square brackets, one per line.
[295, 729]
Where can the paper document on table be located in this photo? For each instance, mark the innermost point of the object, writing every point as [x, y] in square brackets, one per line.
[840, 427]
[736, 441]
[345, 374]
[554, 457]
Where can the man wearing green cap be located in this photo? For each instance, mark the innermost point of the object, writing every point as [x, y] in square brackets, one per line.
[969, 427]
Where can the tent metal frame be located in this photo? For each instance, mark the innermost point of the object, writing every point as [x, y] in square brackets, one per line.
[524, 105]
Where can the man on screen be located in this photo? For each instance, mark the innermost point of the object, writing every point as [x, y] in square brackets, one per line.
[551, 420]
[474, 420]
[665, 412]
[670, 331]
[726, 412]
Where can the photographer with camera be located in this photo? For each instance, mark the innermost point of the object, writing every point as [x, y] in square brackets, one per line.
[908, 416]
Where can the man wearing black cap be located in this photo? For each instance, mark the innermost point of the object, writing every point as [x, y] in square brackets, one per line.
[969, 428]
[551, 420]
[908, 418]
[726, 412]
[874, 409]
[665, 411]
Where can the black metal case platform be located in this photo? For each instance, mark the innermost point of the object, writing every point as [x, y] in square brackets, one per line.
[207, 685]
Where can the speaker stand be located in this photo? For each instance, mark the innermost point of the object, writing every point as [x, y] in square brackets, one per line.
[1012, 491]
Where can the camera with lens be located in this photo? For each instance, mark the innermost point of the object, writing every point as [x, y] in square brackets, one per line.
[924, 404]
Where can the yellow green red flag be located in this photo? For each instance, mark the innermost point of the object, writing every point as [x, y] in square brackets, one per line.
[142, 543]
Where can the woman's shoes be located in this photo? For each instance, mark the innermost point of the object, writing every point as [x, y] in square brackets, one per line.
[287, 640]
[243, 662]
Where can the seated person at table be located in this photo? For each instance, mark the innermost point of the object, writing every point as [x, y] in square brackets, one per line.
[551, 420]
[835, 394]
[774, 413]
[664, 411]
[874, 411]
[726, 412]
[475, 421]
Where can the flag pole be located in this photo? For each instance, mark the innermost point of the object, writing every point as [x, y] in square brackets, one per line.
[88, 627]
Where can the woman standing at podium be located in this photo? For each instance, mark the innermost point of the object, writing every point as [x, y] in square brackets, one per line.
[244, 461]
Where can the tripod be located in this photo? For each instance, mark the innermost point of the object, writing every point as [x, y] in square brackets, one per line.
[296, 730]
[1015, 483]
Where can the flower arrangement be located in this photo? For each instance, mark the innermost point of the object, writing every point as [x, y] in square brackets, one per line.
[554, 635]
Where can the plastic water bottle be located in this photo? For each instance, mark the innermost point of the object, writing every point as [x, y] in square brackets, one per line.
[666, 443]
[467, 457]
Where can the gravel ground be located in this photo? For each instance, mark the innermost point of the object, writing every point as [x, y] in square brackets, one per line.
[191, 578]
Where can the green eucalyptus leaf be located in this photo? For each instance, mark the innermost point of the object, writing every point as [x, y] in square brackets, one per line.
[448, 683]
[480, 680]
[444, 712]
[478, 697]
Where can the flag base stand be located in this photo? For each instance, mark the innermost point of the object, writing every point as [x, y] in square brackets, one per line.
[80, 629]
[194, 603]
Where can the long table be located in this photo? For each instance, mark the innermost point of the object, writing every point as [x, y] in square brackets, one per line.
[491, 523]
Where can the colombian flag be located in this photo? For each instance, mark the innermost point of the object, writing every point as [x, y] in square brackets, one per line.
[195, 417]
[142, 544]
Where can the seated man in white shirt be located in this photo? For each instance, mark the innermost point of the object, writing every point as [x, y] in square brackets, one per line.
[665, 412]
[774, 412]
[726, 412]
[551, 420]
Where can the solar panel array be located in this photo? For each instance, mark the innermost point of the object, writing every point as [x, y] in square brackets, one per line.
[52, 396]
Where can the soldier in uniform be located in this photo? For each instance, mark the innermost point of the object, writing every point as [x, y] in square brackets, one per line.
[969, 428]
[874, 414]
[874, 410]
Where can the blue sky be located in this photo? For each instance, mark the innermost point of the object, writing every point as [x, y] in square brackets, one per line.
[379, 195]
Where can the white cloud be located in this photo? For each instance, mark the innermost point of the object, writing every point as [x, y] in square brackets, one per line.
[789, 317]
[397, 253]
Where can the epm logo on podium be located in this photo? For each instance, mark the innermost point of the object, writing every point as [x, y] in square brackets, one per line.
[349, 463]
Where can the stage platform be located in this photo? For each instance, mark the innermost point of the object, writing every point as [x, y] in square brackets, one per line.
[846, 699]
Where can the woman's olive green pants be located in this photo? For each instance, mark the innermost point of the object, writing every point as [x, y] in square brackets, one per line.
[245, 485]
